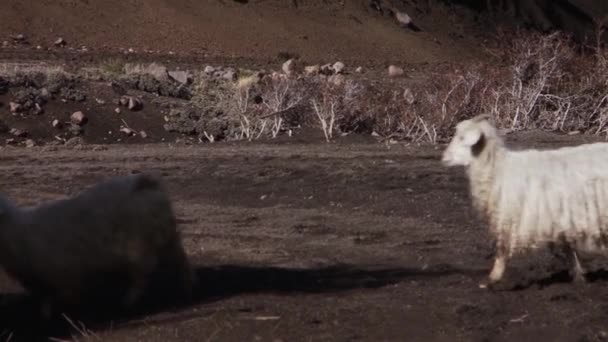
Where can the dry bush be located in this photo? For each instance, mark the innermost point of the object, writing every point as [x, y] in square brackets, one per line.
[537, 82]
[266, 109]
[533, 81]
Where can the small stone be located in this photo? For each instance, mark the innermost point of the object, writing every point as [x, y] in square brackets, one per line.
[338, 67]
[38, 110]
[327, 69]
[38, 47]
[60, 42]
[180, 76]
[359, 70]
[45, 94]
[127, 131]
[30, 143]
[100, 101]
[11, 141]
[395, 71]
[209, 70]
[409, 96]
[312, 70]
[117, 110]
[289, 67]
[78, 118]
[15, 107]
[230, 75]
[135, 104]
[19, 37]
[574, 132]
[143, 134]
[5, 44]
[56, 123]
[124, 101]
[19, 133]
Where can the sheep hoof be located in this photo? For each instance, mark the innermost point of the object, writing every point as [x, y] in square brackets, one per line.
[485, 285]
[579, 279]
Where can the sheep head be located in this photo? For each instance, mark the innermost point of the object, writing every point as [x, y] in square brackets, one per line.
[469, 141]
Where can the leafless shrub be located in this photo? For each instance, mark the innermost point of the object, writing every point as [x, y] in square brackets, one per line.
[534, 81]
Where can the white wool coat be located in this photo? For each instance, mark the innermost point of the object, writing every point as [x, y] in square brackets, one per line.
[533, 196]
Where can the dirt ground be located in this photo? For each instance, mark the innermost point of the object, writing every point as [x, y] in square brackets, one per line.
[292, 239]
[350, 241]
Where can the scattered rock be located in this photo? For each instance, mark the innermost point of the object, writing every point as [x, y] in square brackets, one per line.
[19, 133]
[18, 37]
[409, 96]
[60, 42]
[5, 44]
[45, 94]
[209, 70]
[78, 118]
[15, 107]
[100, 101]
[135, 104]
[327, 69]
[30, 143]
[117, 110]
[148, 83]
[56, 124]
[37, 110]
[230, 75]
[312, 70]
[289, 67]
[11, 141]
[124, 101]
[338, 67]
[359, 70]
[143, 134]
[395, 71]
[128, 131]
[405, 20]
[180, 76]
[72, 94]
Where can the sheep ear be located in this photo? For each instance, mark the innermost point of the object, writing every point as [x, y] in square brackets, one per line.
[472, 136]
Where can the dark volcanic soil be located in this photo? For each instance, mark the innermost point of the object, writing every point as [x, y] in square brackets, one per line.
[340, 242]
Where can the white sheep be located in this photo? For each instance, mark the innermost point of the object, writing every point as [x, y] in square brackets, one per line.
[556, 197]
[104, 246]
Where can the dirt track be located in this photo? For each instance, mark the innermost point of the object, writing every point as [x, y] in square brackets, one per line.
[316, 242]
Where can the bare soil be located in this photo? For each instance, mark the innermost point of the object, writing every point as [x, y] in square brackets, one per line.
[292, 239]
[350, 241]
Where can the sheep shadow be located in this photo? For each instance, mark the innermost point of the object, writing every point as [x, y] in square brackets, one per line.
[19, 313]
[527, 281]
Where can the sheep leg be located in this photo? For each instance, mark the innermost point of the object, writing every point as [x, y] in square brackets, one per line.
[500, 264]
[575, 264]
[571, 257]
[579, 272]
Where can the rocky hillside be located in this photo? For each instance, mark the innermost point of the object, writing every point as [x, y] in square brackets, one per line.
[314, 30]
